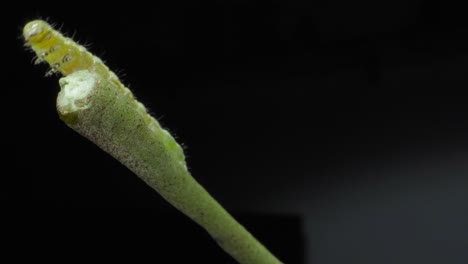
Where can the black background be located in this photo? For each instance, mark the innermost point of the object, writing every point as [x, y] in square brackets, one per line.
[335, 130]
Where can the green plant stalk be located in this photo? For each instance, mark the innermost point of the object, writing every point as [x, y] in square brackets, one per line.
[94, 107]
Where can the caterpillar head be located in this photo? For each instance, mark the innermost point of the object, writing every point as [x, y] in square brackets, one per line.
[36, 31]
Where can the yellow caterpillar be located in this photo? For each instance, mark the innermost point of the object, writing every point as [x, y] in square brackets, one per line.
[63, 54]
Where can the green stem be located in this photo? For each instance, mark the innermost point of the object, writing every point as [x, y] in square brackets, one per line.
[95, 107]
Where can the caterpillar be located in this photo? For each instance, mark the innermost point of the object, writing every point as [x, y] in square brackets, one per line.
[66, 57]
[63, 54]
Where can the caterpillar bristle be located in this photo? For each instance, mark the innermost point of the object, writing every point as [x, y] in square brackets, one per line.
[51, 72]
[38, 60]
